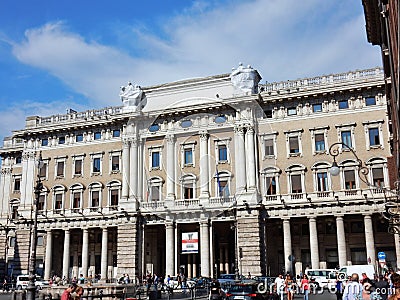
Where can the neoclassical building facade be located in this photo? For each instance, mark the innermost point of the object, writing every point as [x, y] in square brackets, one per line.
[204, 176]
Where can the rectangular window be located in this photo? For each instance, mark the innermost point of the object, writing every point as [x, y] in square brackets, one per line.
[343, 104]
[370, 101]
[155, 193]
[155, 159]
[40, 204]
[291, 111]
[43, 170]
[319, 142]
[378, 179]
[317, 107]
[76, 200]
[114, 197]
[60, 169]
[96, 165]
[95, 198]
[294, 144]
[17, 184]
[78, 167]
[269, 147]
[45, 142]
[79, 137]
[349, 180]
[58, 204]
[322, 184]
[188, 192]
[222, 153]
[188, 157]
[115, 163]
[296, 184]
[61, 140]
[270, 184]
[346, 139]
[116, 133]
[97, 135]
[373, 134]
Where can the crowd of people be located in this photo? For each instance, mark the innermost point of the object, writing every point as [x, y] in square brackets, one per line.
[382, 287]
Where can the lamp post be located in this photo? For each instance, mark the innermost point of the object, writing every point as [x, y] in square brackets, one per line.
[392, 208]
[234, 228]
[31, 288]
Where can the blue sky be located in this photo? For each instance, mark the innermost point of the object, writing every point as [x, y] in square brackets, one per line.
[59, 54]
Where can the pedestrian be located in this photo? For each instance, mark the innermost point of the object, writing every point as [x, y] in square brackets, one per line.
[305, 286]
[78, 293]
[382, 287]
[339, 289]
[279, 285]
[354, 289]
[81, 279]
[289, 287]
[66, 295]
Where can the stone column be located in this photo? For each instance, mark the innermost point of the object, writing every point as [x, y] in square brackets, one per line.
[341, 241]
[170, 249]
[170, 167]
[204, 163]
[205, 249]
[133, 179]
[369, 239]
[49, 255]
[314, 243]
[104, 254]
[85, 252]
[125, 168]
[66, 254]
[240, 159]
[287, 245]
[250, 158]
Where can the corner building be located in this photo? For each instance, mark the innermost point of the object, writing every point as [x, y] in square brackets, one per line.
[204, 176]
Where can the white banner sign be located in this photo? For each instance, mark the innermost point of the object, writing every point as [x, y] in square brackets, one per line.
[190, 242]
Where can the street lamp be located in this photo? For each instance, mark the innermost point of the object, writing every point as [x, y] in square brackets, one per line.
[235, 230]
[392, 208]
[31, 288]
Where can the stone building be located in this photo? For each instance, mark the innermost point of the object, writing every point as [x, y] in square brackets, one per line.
[204, 176]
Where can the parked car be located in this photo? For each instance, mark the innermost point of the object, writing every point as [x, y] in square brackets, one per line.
[23, 282]
[320, 278]
[242, 291]
[174, 283]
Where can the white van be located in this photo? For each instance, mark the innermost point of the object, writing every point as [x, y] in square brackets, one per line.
[321, 276]
[23, 282]
[346, 271]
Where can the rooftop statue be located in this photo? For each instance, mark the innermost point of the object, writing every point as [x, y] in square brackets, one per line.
[132, 97]
[245, 79]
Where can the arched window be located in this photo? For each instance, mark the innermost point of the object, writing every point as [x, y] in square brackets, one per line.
[95, 189]
[154, 189]
[222, 184]
[114, 194]
[76, 191]
[378, 172]
[58, 198]
[270, 181]
[322, 180]
[188, 184]
[296, 184]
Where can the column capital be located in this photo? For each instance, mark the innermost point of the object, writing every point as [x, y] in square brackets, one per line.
[238, 130]
[250, 129]
[170, 138]
[203, 135]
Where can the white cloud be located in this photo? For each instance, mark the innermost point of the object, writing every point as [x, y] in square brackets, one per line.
[283, 39]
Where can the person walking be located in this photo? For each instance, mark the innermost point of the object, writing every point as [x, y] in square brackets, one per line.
[382, 287]
[289, 287]
[305, 286]
[66, 295]
[354, 289]
[279, 284]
